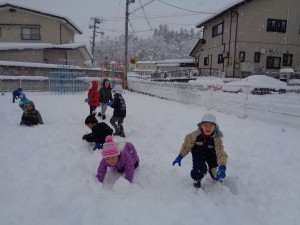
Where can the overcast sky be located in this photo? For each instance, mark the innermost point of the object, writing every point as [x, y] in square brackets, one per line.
[174, 13]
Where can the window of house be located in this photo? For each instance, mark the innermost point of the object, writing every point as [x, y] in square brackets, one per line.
[206, 61]
[273, 62]
[30, 33]
[287, 60]
[242, 56]
[274, 25]
[217, 30]
[220, 58]
[256, 57]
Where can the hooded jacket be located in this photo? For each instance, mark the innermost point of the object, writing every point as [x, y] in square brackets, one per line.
[93, 94]
[31, 117]
[23, 100]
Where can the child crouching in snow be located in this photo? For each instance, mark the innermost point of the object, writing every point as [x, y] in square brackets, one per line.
[99, 131]
[207, 150]
[124, 162]
[31, 116]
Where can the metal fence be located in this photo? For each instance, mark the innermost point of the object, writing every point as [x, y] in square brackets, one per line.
[274, 107]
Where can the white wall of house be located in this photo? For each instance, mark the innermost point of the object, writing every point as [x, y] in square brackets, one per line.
[51, 30]
[252, 36]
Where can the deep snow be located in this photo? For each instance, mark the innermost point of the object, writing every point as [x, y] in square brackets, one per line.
[48, 173]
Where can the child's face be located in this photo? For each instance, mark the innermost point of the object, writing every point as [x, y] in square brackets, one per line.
[28, 107]
[89, 125]
[208, 127]
[112, 160]
[106, 84]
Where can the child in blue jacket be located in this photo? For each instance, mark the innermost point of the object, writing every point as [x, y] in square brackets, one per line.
[16, 94]
[23, 100]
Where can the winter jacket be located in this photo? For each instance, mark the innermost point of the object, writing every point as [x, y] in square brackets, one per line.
[217, 146]
[99, 132]
[17, 93]
[93, 94]
[31, 117]
[119, 106]
[23, 101]
[105, 93]
[127, 158]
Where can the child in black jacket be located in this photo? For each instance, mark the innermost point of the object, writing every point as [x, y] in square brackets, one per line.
[99, 131]
[119, 106]
[31, 116]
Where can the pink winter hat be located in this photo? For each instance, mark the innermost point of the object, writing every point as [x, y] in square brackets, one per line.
[110, 148]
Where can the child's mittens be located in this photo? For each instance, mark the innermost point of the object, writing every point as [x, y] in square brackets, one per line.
[108, 103]
[97, 146]
[178, 160]
[221, 174]
[87, 99]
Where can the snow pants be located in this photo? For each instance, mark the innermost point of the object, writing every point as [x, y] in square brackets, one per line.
[202, 159]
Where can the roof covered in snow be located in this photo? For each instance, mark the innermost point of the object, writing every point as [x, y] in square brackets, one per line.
[64, 19]
[227, 8]
[6, 46]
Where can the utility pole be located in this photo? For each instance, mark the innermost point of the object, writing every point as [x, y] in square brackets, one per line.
[95, 21]
[126, 42]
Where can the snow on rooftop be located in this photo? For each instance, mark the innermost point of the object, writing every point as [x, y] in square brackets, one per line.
[225, 7]
[21, 46]
[26, 64]
[4, 77]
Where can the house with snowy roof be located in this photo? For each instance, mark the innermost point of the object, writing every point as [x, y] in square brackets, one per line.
[250, 37]
[30, 35]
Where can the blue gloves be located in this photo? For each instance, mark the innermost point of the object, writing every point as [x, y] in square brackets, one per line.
[97, 146]
[87, 99]
[178, 160]
[221, 172]
[108, 103]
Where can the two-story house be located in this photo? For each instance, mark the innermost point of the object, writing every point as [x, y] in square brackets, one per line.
[28, 35]
[250, 37]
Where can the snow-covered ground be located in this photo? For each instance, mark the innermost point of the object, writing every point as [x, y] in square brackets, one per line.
[48, 173]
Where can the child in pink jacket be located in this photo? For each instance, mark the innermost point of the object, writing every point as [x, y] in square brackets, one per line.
[124, 161]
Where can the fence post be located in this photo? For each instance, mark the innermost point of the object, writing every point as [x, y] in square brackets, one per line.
[246, 103]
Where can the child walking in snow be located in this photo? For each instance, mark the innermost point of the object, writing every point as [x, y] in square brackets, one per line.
[93, 96]
[207, 149]
[23, 100]
[16, 94]
[99, 131]
[31, 116]
[119, 106]
[105, 97]
[125, 161]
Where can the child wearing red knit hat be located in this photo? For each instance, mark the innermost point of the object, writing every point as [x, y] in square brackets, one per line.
[124, 161]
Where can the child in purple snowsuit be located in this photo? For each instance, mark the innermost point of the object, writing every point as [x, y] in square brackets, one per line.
[124, 162]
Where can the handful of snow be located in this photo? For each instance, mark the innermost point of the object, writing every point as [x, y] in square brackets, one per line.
[121, 186]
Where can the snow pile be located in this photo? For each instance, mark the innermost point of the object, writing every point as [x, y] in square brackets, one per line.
[208, 81]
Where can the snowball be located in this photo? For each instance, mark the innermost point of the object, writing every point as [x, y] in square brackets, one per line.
[121, 186]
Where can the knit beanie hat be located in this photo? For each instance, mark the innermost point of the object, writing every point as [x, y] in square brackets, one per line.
[91, 119]
[110, 148]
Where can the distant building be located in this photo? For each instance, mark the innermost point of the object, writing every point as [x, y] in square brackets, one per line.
[250, 37]
[28, 35]
[145, 67]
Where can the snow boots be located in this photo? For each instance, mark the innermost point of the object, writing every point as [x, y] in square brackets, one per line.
[197, 184]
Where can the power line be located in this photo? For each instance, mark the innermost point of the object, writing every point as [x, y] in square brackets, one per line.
[185, 9]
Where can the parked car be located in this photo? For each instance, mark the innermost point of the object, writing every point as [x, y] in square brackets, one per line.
[256, 85]
[286, 74]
